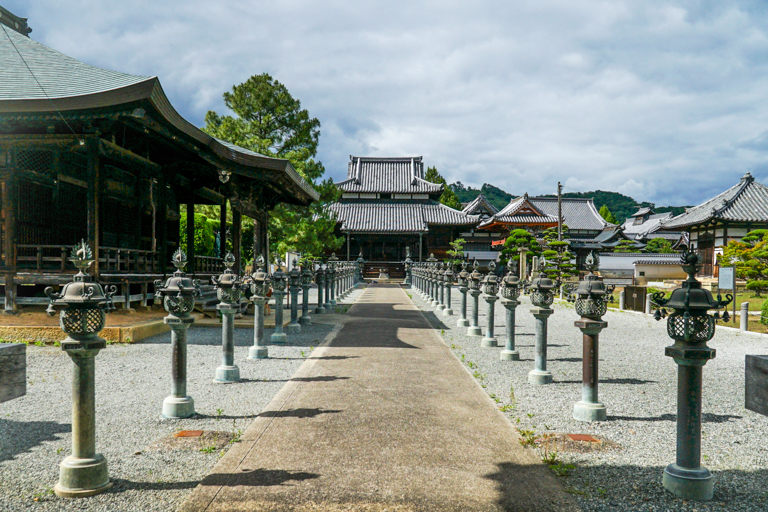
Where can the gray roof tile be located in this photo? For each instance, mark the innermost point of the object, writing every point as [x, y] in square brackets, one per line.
[479, 203]
[396, 216]
[387, 175]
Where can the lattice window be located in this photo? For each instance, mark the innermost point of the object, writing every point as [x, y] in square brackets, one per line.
[34, 160]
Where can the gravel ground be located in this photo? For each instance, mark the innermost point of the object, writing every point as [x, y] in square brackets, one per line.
[638, 384]
[151, 470]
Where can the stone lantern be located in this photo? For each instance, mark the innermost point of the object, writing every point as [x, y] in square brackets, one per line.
[475, 280]
[408, 266]
[320, 281]
[178, 296]
[333, 262]
[448, 278]
[306, 283]
[591, 304]
[294, 286]
[431, 262]
[542, 296]
[83, 306]
[228, 291]
[691, 328]
[360, 266]
[509, 294]
[490, 288]
[327, 277]
[440, 276]
[279, 283]
[259, 283]
[463, 282]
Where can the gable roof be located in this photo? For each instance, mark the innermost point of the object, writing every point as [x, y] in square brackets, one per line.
[520, 211]
[387, 175]
[747, 201]
[480, 203]
[60, 84]
[578, 213]
[643, 211]
[646, 228]
[395, 216]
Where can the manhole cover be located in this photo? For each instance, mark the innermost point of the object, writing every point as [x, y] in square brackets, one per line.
[579, 443]
[188, 433]
[583, 437]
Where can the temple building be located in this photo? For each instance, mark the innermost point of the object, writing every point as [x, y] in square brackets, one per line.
[388, 209]
[727, 216]
[99, 155]
[479, 243]
[645, 225]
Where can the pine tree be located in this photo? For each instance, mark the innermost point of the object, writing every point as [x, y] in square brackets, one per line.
[606, 214]
[449, 197]
[560, 264]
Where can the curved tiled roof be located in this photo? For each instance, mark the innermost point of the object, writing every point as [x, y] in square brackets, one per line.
[61, 83]
[644, 229]
[395, 216]
[479, 202]
[747, 201]
[577, 213]
[372, 175]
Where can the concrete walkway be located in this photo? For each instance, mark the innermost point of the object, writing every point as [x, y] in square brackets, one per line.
[383, 418]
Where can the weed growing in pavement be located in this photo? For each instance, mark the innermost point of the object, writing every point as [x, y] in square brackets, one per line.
[462, 358]
[561, 469]
[236, 433]
[601, 492]
[211, 447]
[59, 450]
[303, 354]
[442, 333]
[471, 364]
[42, 494]
[507, 408]
[528, 437]
[454, 346]
[219, 412]
[571, 490]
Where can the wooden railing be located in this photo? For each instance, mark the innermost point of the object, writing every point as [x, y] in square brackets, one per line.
[209, 264]
[55, 258]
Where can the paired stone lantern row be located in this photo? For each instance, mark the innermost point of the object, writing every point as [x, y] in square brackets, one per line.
[229, 291]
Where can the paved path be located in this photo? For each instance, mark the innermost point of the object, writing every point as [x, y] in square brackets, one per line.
[383, 418]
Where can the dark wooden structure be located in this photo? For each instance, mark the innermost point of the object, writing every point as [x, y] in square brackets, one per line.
[88, 153]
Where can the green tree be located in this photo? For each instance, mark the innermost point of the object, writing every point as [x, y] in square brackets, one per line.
[606, 214]
[456, 252]
[520, 238]
[659, 245]
[750, 258]
[448, 197]
[625, 246]
[204, 237]
[560, 265]
[269, 121]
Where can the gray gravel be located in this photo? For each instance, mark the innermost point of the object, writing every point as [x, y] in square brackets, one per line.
[638, 384]
[131, 383]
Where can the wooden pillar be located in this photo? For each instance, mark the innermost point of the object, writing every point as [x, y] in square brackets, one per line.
[265, 237]
[9, 241]
[94, 201]
[237, 244]
[256, 243]
[223, 229]
[190, 234]
[161, 226]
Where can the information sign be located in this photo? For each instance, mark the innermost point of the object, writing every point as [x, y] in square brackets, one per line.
[726, 278]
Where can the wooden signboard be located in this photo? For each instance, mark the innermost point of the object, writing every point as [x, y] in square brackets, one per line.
[756, 389]
[13, 371]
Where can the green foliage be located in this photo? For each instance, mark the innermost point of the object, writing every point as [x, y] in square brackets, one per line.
[520, 238]
[456, 252]
[750, 258]
[659, 245]
[495, 195]
[448, 197]
[758, 286]
[204, 236]
[607, 215]
[764, 313]
[560, 264]
[625, 246]
[269, 121]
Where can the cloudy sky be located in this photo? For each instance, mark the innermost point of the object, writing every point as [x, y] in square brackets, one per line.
[663, 101]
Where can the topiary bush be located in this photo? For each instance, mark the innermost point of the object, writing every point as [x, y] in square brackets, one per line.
[764, 313]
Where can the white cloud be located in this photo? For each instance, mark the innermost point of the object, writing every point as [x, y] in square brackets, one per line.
[662, 101]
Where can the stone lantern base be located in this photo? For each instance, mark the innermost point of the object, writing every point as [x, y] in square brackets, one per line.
[689, 484]
[539, 377]
[509, 355]
[175, 407]
[474, 331]
[585, 411]
[79, 478]
[226, 374]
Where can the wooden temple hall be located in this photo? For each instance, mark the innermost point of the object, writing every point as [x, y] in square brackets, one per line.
[88, 153]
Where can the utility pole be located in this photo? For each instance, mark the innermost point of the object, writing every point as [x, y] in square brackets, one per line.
[559, 212]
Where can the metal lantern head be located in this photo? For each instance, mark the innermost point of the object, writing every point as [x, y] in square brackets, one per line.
[84, 302]
[510, 284]
[475, 278]
[228, 284]
[440, 271]
[542, 288]
[360, 260]
[260, 279]
[294, 276]
[463, 277]
[306, 275]
[591, 293]
[689, 322]
[332, 260]
[449, 274]
[431, 258]
[279, 278]
[179, 291]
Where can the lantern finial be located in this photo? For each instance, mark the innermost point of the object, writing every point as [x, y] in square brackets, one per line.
[179, 259]
[81, 256]
[229, 260]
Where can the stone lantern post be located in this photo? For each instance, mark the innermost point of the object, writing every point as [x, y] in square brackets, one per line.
[328, 277]
[431, 269]
[294, 285]
[178, 296]
[259, 283]
[440, 277]
[448, 277]
[306, 283]
[408, 266]
[509, 293]
[691, 328]
[542, 296]
[490, 288]
[463, 282]
[332, 264]
[228, 292]
[84, 303]
[591, 304]
[320, 281]
[279, 283]
[475, 279]
[360, 267]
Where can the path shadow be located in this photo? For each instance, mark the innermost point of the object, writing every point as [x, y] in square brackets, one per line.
[258, 477]
[200, 416]
[297, 413]
[121, 485]
[322, 378]
[707, 417]
[566, 359]
[21, 436]
[524, 488]
[612, 381]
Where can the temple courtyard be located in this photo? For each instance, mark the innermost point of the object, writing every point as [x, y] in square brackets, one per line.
[388, 405]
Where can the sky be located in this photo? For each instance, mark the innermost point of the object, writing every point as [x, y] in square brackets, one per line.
[663, 101]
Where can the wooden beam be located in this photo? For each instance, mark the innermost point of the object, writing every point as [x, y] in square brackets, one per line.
[128, 158]
[43, 141]
[94, 200]
[223, 229]
[237, 242]
[191, 237]
[161, 224]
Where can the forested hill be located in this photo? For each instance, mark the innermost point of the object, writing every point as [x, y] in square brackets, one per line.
[620, 205]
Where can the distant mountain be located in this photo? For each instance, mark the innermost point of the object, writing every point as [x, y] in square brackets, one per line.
[620, 205]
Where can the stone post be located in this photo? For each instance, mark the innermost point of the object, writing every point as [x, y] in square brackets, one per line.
[744, 325]
[463, 289]
[258, 350]
[509, 353]
[441, 288]
[491, 288]
[474, 289]
[327, 274]
[622, 299]
[540, 374]
[228, 292]
[320, 280]
[294, 286]
[306, 283]
[648, 306]
[278, 292]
